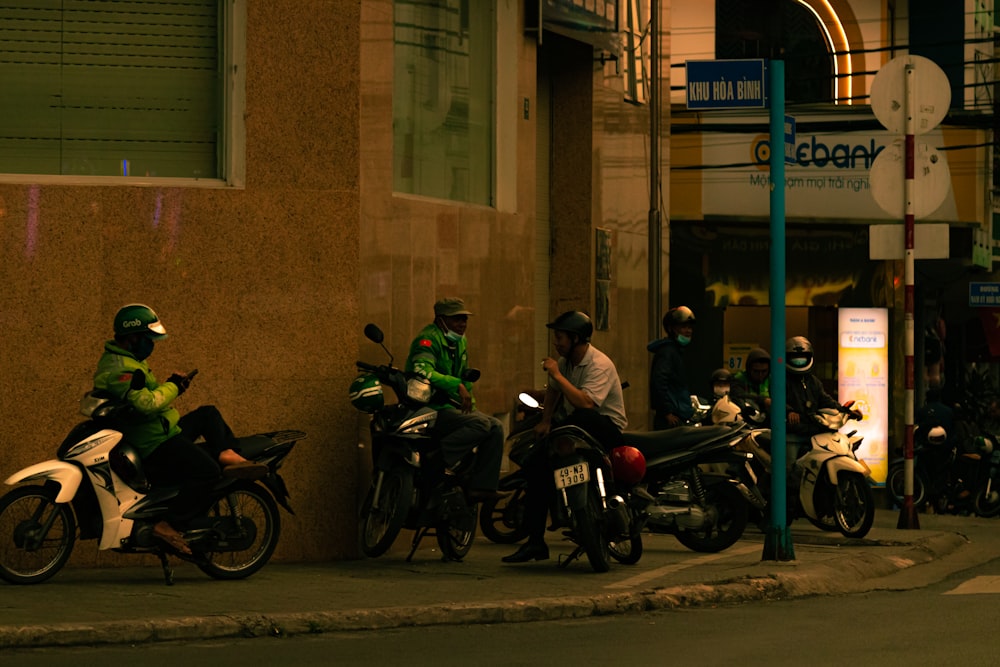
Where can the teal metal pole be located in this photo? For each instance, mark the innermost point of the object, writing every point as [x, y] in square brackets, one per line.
[778, 539]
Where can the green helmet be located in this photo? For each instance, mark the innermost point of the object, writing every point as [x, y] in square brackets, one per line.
[139, 318]
[366, 393]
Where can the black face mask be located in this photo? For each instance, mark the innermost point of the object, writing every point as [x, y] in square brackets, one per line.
[143, 348]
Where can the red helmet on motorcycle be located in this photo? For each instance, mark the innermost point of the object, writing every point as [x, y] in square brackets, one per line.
[628, 465]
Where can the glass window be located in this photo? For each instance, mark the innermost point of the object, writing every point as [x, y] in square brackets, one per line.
[443, 99]
[115, 88]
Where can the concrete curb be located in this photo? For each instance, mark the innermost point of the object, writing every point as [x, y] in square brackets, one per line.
[841, 575]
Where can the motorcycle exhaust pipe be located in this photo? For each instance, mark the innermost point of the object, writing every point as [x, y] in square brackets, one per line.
[617, 516]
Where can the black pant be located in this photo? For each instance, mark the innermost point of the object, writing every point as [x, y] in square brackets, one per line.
[459, 433]
[179, 462]
[538, 470]
[207, 422]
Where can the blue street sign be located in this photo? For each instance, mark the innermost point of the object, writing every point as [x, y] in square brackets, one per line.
[984, 294]
[726, 84]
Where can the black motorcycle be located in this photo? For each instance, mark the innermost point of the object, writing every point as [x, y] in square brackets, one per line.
[410, 486]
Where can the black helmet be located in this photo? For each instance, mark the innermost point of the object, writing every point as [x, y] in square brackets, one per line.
[678, 315]
[757, 355]
[798, 354]
[722, 376]
[574, 322]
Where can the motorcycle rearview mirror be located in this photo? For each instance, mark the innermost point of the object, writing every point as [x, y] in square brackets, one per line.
[528, 400]
[374, 334]
[471, 374]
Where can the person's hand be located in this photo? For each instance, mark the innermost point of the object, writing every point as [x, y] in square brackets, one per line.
[542, 428]
[673, 420]
[182, 382]
[550, 366]
[793, 418]
[138, 380]
[463, 393]
[856, 414]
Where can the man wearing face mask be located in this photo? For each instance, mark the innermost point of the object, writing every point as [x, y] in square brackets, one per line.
[163, 439]
[440, 354]
[669, 396]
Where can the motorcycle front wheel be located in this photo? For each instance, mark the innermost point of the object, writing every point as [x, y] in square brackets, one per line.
[896, 485]
[588, 523]
[854, 505]
[502, 520]
[456, 538]
[728, 510]
[253, 507]
[36, 535]
[987, 500]
[382, 517]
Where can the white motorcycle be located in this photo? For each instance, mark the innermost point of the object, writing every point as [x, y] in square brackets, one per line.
[96, 482]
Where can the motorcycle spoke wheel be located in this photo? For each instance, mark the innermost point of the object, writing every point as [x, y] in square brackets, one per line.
[588, 528]
[502, 520]
[382, 518]
[896, 485]
[826, 523]
[455, 541]
[251, 503]
[30, 554]
[628, 551]
[729, 511]
[854, 505]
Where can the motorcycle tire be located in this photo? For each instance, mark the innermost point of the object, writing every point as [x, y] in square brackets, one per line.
[825, 523]
[629, 550]
[382, 518]
[854, 505]
[987, 500]
[27, 555]
[896, 485]
[455, 540]
[588, 530]
[502, 520]
[730, 520]
[255, 508]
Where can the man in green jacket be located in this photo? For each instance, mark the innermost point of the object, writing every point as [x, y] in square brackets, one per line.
[164, 439]
[440, 353]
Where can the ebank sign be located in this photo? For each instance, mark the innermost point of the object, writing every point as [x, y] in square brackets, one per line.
[829, 178]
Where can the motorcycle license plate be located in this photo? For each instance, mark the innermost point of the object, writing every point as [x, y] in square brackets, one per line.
[578, 473]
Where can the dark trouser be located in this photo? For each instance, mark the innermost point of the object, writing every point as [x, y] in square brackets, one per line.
[459, 433]
[180, 462]
[207, 422]
[541, 485]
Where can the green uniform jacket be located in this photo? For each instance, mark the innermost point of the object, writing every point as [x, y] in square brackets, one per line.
[155, 419]
[441, 361]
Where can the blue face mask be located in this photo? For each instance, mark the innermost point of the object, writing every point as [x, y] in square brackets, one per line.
[452, 336]
[683, 340]
[143, 348]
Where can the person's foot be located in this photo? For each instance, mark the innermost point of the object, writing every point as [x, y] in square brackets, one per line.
[165, 532]
[528, 551]
[245, 470]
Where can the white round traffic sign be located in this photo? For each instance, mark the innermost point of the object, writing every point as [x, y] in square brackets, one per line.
[932, 94]
[931, 179]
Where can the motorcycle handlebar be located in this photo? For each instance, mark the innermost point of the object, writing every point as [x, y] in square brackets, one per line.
[366, 367]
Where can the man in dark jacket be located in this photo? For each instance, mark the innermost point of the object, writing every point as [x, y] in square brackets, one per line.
[669, 396]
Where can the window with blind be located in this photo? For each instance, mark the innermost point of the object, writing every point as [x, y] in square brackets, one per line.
[115, 88]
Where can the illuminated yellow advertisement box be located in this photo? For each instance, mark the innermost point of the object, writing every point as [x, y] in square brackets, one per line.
[863, 377]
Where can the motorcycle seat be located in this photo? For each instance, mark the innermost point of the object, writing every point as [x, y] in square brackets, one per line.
[657, 443]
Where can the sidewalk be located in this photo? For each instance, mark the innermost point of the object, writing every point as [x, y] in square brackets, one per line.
[133, 605]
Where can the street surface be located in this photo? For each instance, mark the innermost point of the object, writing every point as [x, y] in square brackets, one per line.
[948, 623]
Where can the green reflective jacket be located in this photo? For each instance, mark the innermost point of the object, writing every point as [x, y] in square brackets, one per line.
[441, 361]
[155, 419]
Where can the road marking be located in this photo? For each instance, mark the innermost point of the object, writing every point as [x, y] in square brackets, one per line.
[985, 584]
[676, 567]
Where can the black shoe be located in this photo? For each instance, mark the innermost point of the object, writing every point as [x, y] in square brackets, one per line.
[528, 551]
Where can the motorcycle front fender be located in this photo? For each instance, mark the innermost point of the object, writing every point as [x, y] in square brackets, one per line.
[839, 464]
[67, 475]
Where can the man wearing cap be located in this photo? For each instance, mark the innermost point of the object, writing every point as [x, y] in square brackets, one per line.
[163, 439]
[439, 353]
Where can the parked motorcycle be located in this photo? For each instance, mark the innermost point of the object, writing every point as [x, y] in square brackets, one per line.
[410, 486]
[96, 483]
[932, 458]
[699, 485]
[987, 498]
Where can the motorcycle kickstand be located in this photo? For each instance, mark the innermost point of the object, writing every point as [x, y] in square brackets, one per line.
[565, 561]
[168, 572]
[417, 536]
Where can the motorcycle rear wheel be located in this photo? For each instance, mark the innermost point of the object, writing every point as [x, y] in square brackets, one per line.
[251, 502]
[588, 529]
[30, 553]
[455, 541]
[382, 518]
[987, 500]
[502, 520]
[895, 483]
[727, 528]
[854, 505]
[627, 551]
